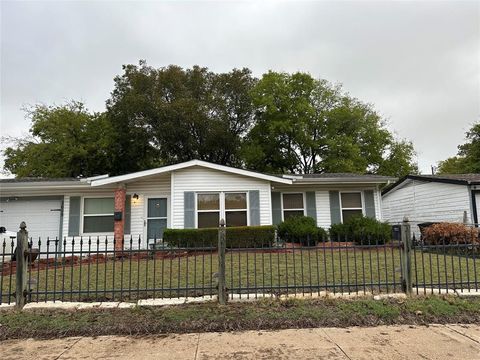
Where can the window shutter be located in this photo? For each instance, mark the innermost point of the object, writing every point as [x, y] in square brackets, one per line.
[254, 207]
[189, 209]
[311, 205]
[74, 216]
[276, 208]
[335, 215]
[369, 203]
[128, 214]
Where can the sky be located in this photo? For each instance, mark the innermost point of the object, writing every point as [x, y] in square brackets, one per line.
[418, 63]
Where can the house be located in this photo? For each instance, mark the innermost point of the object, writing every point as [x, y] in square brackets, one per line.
[433, 198]
[192, 194]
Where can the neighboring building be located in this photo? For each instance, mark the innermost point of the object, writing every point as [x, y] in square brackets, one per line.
[192, 194]
[432, 198]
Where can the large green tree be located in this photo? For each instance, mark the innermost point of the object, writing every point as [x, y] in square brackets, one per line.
[468, 156]
[169, 115]
[64, 141]
[158, 116]
[308, 125]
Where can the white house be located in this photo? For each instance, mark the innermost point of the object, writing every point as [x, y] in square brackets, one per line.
[192, 194]
[433, 198]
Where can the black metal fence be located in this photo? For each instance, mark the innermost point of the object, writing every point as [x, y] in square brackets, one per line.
[97, 269]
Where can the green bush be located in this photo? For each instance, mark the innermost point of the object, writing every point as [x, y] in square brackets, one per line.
[242, 236]
[362, 230]
[301, 229]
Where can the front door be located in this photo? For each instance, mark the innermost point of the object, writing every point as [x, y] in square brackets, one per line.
[156, 218]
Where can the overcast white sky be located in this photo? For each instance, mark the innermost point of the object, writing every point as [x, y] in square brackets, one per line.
[418, 62]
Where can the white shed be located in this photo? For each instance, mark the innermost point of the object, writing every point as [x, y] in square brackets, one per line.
[433, 198]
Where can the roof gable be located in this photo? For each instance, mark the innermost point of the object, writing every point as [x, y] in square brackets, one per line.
[184, 165]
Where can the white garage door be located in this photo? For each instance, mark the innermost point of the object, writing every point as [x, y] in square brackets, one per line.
[41, 216]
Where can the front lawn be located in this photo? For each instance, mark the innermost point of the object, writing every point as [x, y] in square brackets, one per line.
[307, 270]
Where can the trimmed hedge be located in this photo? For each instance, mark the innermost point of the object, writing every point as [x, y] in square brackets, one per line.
[301, 229]
[362, 230]
[242, 236]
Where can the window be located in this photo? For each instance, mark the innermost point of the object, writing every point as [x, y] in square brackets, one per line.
[230, 206]
[98, 215]
[208, 208]
[351, 203]
[236, 209]
[292, 205]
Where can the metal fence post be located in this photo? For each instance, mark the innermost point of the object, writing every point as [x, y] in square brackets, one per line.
[406, 249]
[21, 259]
[222, 290]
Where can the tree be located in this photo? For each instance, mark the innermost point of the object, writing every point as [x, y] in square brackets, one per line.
[308, 125]
[468, 156]
[170, 115]
[65, 141]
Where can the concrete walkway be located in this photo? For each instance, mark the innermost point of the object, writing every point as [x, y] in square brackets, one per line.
[384, 342]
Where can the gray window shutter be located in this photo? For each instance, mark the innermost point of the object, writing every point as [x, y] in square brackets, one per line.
[335, 217]
[254, 207]
[128, 214]
[311, 205]
[276, 208]
[189, 209]
[369, 203]
[74, 216]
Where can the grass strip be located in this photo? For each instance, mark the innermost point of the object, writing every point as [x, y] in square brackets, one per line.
[260, 315]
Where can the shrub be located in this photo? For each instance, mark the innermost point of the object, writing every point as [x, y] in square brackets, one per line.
[362, 230]
[301, 229]
[339, 232]
[242, 236]
[450, 233]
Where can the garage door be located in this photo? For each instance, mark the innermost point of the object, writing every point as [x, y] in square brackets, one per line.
[41, 216]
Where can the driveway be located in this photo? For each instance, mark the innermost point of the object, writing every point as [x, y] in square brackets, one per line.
[384, 342]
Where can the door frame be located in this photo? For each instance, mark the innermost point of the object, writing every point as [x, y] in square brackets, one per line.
[145, 214]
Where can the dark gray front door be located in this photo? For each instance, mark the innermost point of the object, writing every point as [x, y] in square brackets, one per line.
[156, 218]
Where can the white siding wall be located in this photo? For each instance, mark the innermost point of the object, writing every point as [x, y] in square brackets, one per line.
[427, 201]
[158, 186]
[377, 195]
[323, 198]
[200, 179]
[323, 209]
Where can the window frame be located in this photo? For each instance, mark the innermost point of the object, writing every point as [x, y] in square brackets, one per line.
[236, 210]
[304, 196]
[222, 210]
[362, 200]
[83, 215]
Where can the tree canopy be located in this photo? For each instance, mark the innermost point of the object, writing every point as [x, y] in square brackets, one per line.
[156, 116]
[307, 125]
[468, 156]
[66, 141]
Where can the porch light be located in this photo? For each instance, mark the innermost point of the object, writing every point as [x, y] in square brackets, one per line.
[135, 196]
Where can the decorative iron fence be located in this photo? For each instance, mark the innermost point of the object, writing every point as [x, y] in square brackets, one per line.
[96, 269]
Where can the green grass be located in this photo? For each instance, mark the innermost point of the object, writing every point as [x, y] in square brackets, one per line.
[262, 272]
[264, 314]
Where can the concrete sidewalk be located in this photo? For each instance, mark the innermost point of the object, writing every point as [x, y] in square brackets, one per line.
[384, 342]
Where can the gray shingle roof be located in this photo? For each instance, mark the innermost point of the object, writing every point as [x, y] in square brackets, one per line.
[459, 177]
[36, 179]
